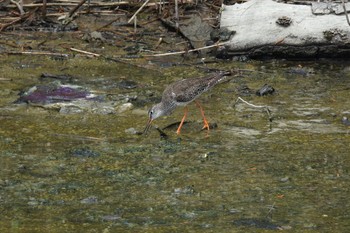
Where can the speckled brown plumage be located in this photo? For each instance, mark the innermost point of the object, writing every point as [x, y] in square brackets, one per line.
[181, 93]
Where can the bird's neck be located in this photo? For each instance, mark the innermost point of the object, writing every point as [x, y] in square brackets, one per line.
[168, 107]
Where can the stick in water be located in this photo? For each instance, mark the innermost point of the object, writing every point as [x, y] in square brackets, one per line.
[268, 111]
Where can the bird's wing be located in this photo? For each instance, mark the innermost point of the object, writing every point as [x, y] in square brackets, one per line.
[195, 88]
[187, 90]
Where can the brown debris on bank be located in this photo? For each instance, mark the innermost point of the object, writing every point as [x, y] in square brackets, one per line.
[131, 25]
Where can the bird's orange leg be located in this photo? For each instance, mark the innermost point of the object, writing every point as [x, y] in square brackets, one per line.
[182, 121]
[206, 124]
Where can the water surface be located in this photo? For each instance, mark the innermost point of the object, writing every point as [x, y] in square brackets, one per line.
[85, 172]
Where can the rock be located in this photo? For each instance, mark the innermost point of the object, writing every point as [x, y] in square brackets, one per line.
[70, 109]
[265, 90]
[127, 84]
[284, 21]
[113, 217]
[131, 131]
[301, 71]
[196, 30]
[284, 179]
[140, 112]
[244, 90]
[345, 121]
[221, 34]
[186, 190]
[97, 36]
[93, 36]
[54, 93]
[324, 8]
[89, 200]
[84, 153]
[124, 107]
[257, 223]
[58, 76]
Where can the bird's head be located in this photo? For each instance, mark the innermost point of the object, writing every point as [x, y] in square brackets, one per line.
[155, 112]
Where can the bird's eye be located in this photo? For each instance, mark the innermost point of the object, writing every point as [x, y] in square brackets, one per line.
[150, 113]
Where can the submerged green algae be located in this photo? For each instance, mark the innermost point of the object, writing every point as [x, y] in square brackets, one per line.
[84, 172]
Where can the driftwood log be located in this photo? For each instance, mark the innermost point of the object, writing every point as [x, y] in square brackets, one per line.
[269, 29]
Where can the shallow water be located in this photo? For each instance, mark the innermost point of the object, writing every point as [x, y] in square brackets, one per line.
[84, 172]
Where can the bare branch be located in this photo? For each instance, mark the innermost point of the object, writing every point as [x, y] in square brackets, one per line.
[345, 12]
[143, 5]
[256, 106]
[19, 5]
[187, 51]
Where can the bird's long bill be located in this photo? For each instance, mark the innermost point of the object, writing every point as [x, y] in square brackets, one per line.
[148, 126]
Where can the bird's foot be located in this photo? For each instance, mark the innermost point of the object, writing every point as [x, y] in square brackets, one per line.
[206, 125]
[178, 131]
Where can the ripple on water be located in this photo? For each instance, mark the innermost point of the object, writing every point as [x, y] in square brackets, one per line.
[319, 125]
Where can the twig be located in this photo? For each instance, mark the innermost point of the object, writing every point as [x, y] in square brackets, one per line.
[99, 4]
[108, 58]
[160, 7]
[100, 55]
[5, 79]
[76, 8]
[148, 22]
[68, 1]
[101, 13]
[85, 52]
[187, 51]
[345, 12]
[271, 208]
[23, 17]
[78, 137]
[109, 23]
[37, 53]
[143, 5]
[176, 15]
[44, 9]
[159, 42]
[135, 24]
[217, 8]
[255, 106]
[19, 6]
[3, 27]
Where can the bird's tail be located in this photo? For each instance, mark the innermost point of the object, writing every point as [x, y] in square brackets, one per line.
[229, 74]
[223, 75]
